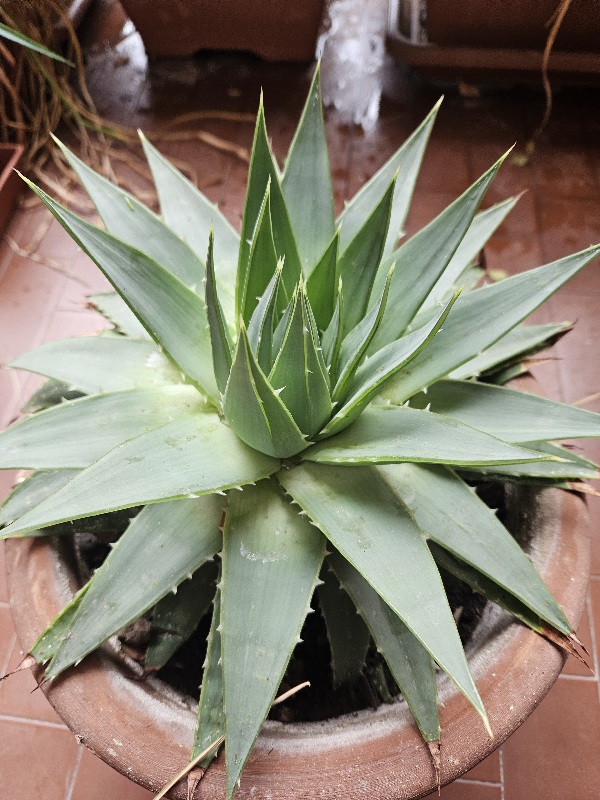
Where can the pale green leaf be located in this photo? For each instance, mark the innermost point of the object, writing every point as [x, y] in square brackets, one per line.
[262, 261]
[262, 169]
[19, 38]
[322, 284]
[260, 328]
[373, 530]
[112, 306]
[450, 514]
[173, 314]
[347, 633]
[406, 163]
[51, 639]
[567, 466]
[521, 342]
[140, 569]
[355, 344]
[191, 215]
[132, 222]
[76, 433]
[29, 493]
[358, 263]
[194, 455]
[177, 615]
[422, 259]
[255, 411]
[482, 317]
[332, 337]
[219, 334]
[297, 374]
[211, 716]
[271, 560]
[96, 364]
[479, 232]
[505, 413]
[386, 434]
[409, 662]
[374, 373]
[306, 181]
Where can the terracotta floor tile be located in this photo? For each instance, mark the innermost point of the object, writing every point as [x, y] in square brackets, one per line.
[426, 206]
[568, 226]
[468, 790]
[488, 770]
[35, 761]
[595, 607]
[512, 255]
[445, 165]
[554, 754]
[97, 781]
[564, 173]
[20, 697]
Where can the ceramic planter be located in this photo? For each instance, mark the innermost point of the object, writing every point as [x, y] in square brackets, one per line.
[145, 730]
[10, 183]
[506, 36]
[275, 30]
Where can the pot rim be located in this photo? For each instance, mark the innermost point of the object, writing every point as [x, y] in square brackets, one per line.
[375, 754]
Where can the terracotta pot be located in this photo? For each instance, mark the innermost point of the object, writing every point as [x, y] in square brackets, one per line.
[273, 29]
[10, 183]
[145, 730]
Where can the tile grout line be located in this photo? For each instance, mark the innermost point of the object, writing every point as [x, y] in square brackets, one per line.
[71, 784]
[567, 676]
[476, 782]
[41, 723]
[501, 764]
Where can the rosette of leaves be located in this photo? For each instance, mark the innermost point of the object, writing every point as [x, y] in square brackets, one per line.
[295, 401]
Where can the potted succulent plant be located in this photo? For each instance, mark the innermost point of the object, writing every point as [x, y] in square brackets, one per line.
[281, 410]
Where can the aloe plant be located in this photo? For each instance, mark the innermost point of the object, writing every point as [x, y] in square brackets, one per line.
[296, 402]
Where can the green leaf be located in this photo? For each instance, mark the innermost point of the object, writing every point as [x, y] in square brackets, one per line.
[479, 232]
[271, 560]
[373, 530]
[191, 215]
[410, 664]
[322, 284]
[19, 38]
[135, 224]
[30, 493]
[347, 633]
[255, 411]
[76, 433]
[451, 515]
[194, 455]
[177, 615]
[297, 374]
[140, 569]
[306, 181]
[50, 393]
[355, 344]
[262, 261]
[260, 328]
[386, 434]
[567, 466]
[219, 335]
[482, 317]
[173, 314]
[358, 263]
[96, 364]
[211, 715]
[374, 373]
[332, 338]
[422, 260]
[520, 342]
[511, 415]
[51, 640]
[262, 169]
[112, 306]
[406, 163]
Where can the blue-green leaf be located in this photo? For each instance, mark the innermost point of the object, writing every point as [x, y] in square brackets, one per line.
[255, 411]
[219, 334]
[271, 560]
[113, 308]
[262, 261]
[322, 284]
[260, 328]
[211, 715]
